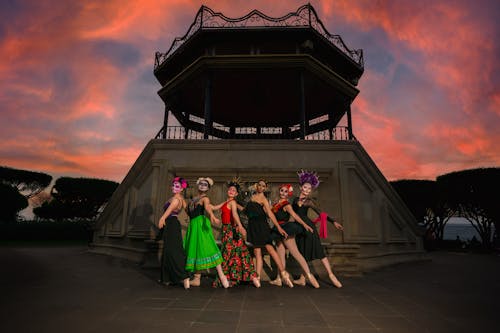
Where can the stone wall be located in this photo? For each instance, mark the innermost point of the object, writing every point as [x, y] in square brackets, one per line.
[376, 221]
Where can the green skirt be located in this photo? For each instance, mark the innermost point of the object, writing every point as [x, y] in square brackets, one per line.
[199, 244]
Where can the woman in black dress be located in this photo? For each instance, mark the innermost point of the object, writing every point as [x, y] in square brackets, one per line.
[308, 243]
[259, 232]
[173, 261]
[282, 210]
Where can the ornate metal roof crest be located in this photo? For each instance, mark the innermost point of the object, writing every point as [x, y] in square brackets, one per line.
[305, 16]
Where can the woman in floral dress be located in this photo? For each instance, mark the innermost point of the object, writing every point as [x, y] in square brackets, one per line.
[238, 264]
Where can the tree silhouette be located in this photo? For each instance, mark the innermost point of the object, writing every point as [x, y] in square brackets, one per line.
[76, 198]
[473, 193]
[12, 203]
[28, 183]
[426, 199]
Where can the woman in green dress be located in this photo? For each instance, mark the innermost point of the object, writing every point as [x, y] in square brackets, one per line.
[201, 250]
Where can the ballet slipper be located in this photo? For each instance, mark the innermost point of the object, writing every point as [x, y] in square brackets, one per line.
[334, 280]
[301, 281]
[312, 280]
[186, 283]
[276, 282]
[286, 278]
[195, 281]
[256, 282]
[224, 282]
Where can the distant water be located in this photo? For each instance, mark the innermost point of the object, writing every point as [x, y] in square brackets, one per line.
[464, 231]
[462, 228]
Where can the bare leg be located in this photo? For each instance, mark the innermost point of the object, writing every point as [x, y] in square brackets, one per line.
[257, 251]
[272, 252]
[332, 276]
[280, 248]
[222, 276]
[284, 274]
[294, 251]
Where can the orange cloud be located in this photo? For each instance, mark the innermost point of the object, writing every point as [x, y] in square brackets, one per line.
[458, 46]
[72, 84]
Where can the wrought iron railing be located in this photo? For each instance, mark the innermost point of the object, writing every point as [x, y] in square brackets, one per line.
[182, 133]
[305, 16]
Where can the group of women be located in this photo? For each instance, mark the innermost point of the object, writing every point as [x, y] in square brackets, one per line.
[292, 229]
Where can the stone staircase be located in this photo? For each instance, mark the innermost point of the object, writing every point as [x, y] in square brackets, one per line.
[342, 257]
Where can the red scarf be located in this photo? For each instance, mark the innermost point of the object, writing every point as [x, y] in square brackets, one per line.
[322, 219]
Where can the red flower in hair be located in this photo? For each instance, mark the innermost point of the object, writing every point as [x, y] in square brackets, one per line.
[288, 187]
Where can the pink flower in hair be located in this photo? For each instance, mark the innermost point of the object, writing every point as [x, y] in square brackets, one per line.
[181, 181]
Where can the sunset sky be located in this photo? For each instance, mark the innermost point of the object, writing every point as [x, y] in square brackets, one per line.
[78, 96]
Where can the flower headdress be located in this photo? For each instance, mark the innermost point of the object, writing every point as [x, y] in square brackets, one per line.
[288, 187]
[207, 179]
[308, 177]
[236, 181]
[180, 180]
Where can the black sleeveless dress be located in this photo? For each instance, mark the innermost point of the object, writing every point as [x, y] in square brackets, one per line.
[258, 230]
[173, 261]
[292, 228]
[309, 244]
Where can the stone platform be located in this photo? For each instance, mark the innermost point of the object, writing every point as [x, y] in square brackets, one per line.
[68, 289]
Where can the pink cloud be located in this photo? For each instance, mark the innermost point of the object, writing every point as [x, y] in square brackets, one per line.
[66, 82]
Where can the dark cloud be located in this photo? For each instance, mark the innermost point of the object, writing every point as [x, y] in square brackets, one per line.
[10, 10]
[78, 95]
[118, 53]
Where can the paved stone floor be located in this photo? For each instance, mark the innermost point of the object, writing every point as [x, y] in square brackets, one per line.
[67, 289]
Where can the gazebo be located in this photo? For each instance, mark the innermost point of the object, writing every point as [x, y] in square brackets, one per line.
[257, 97]
[258, 77]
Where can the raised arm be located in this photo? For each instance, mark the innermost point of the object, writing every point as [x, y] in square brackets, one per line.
[174, 203]
[239, 207]
[217, 207]
[315, 208]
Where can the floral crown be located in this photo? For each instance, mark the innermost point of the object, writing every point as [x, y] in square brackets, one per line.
[206, 179]
[180, 180]
[288, 187]
[236, 182]
[308, 177]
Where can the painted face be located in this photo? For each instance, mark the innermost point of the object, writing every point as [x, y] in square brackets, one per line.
[176, 187]
[261, 186]
[283, 193]
[305, 189]
[203, 186]
[232, 192]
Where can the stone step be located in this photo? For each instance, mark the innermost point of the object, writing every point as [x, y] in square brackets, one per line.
[341, 249]
[339, 255]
